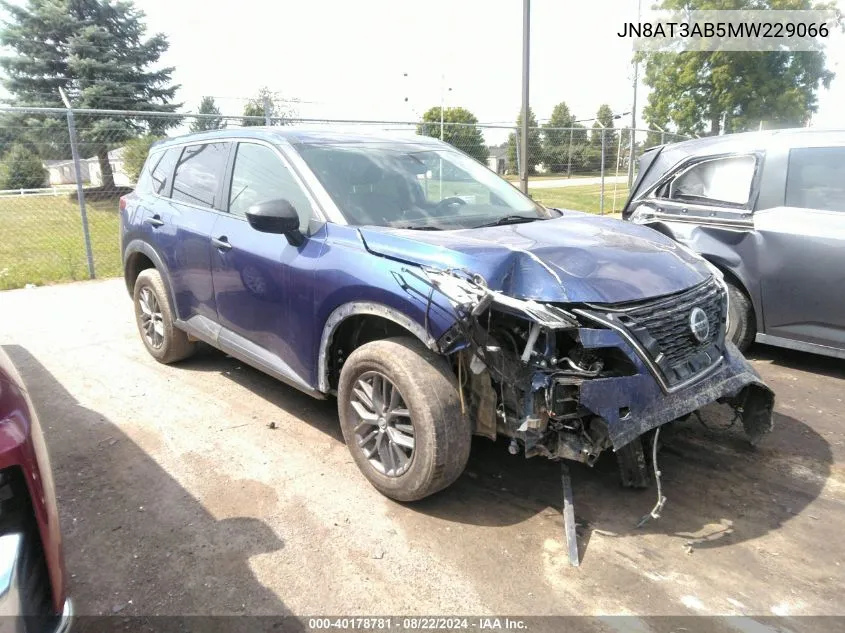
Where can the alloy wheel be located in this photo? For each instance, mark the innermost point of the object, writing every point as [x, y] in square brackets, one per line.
[384, 431]
[152, 322]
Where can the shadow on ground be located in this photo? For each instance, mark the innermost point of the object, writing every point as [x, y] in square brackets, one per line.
[157, 550]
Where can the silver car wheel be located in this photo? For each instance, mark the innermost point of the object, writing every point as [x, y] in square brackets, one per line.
[152, 322]
[384, 431]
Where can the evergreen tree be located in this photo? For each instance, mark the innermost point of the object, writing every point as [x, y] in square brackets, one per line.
[22, 169]
[99, 53]
[207, 106]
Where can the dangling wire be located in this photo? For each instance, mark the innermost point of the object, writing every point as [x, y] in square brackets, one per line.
[661, 500]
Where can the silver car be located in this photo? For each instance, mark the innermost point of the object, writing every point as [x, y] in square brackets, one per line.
[768, 209]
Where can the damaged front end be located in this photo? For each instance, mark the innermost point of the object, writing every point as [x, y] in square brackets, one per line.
[571, 381]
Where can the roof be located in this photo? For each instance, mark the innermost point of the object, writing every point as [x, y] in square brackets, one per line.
[300, 134]
[749, 141]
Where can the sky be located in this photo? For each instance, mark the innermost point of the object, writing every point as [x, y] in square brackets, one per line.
[393, 59]
[361, 60]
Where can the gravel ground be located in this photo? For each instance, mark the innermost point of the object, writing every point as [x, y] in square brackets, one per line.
[177, 497]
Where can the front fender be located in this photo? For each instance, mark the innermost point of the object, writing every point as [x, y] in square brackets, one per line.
[343, 312]
[355, 281]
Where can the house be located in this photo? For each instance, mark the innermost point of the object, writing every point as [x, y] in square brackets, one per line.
[62, 172]
[121, 179]
[497, 159]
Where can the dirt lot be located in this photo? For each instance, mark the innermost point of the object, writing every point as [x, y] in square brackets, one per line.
[177, 498]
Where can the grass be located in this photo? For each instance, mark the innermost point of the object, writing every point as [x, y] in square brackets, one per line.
[582, 198]
[42, 235]
[42, 240]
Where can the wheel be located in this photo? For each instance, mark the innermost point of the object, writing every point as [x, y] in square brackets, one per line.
[742, 326]
[400, 413]
[154, 315]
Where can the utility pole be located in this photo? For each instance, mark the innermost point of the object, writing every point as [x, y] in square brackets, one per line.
[526, 50]
[634, 110]
[443, 91]
[268, 111]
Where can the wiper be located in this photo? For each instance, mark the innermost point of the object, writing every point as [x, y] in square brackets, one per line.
[421, 227]
[508, 219]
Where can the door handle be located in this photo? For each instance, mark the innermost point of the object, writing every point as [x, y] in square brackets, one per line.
[155, 221]
[222, 243]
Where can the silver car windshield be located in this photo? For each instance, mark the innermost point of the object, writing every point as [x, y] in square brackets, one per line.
[414, 186]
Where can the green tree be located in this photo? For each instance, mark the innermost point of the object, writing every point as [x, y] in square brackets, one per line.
[559, 145]
[535, 144]
[207, 106]
[98, 52]
[264, 103]
[605, 117]
[22, 169]
[561, 118]
[135, 155]
[466, 137]
[704, 92]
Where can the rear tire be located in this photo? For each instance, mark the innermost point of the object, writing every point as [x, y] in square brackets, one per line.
[155, 319]
[742, 327]
[427, 408]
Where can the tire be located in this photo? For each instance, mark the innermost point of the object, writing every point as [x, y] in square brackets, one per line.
[427, 387]
[742, 327]
[167, 344]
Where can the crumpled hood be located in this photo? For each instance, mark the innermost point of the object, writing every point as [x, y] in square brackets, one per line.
[575, 258]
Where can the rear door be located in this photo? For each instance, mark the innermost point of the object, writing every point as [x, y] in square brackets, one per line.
[802, 248]
[195, 200]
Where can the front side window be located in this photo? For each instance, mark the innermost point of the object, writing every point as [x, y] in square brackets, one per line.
[815, 178]
[198, 173]
[260, 176]
[408, 185]
[721, 181]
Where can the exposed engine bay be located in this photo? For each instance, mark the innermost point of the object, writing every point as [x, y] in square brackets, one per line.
[569, 382]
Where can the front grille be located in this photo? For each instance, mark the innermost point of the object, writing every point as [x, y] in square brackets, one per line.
[662, 327]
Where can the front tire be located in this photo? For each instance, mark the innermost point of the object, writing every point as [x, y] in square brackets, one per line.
[155, 318]
[742, 327]
[400, 414]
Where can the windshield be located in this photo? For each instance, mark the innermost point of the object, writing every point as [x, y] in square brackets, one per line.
[414, 186]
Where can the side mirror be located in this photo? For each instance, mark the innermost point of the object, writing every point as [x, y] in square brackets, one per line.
[276, 216]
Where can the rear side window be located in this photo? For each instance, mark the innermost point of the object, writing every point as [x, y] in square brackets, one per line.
[198, 173]
[259, 176]
[724, 181]
[160, 166]
[815, 178]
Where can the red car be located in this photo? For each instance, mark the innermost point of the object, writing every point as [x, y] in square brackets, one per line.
[33, 580]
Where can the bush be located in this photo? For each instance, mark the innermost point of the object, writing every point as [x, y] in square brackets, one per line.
[22, 169]
[135, 154]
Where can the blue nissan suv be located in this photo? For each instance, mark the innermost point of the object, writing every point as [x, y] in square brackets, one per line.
[431, 298]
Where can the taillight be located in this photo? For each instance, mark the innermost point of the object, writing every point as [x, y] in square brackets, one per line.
[123, 203]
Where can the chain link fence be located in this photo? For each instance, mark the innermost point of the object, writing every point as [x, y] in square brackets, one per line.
[62, 173]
